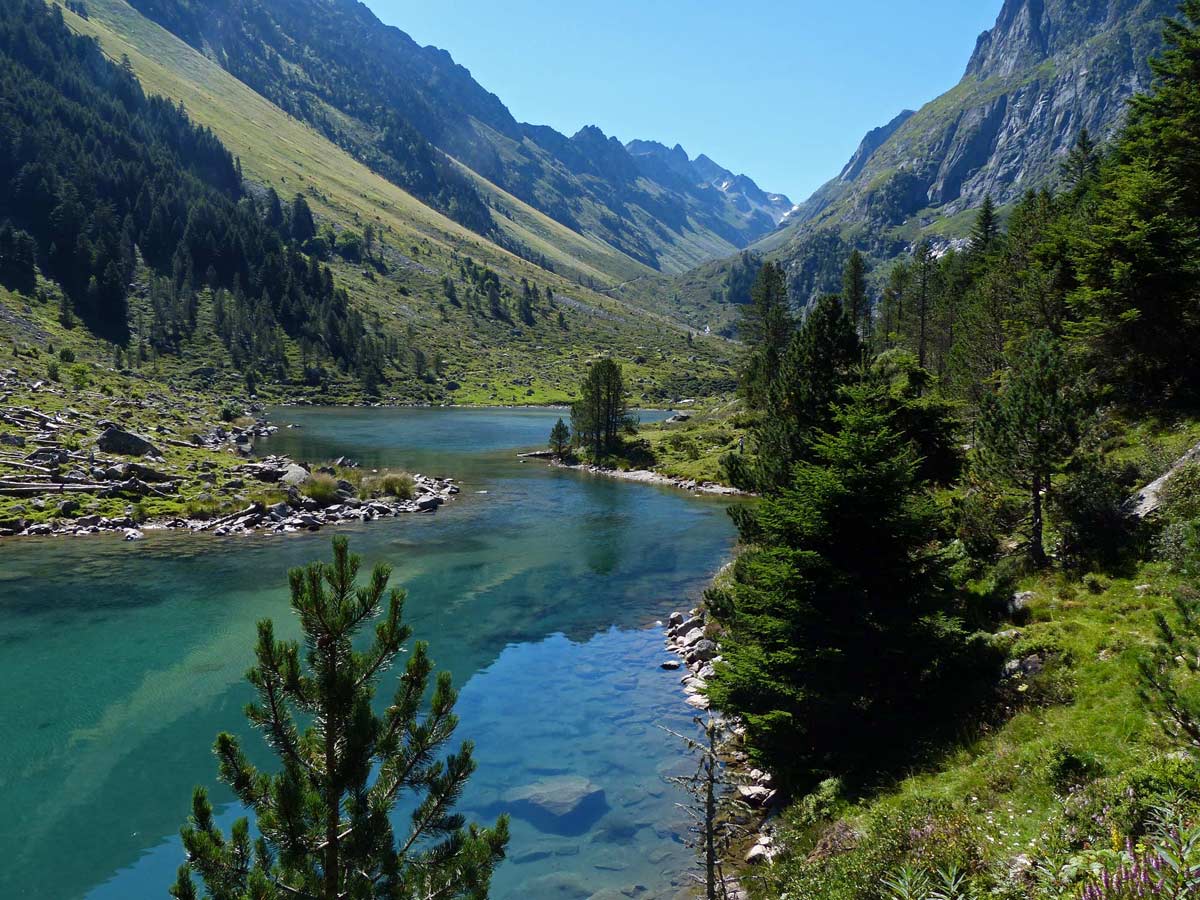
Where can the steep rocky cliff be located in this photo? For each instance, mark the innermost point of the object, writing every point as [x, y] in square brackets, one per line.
[1046, 70]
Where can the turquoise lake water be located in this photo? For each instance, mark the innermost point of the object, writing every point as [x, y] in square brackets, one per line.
[537, 588]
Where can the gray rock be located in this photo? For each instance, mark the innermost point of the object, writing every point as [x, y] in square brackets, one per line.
[295, 475]
[12, 440]
[114, 440]
[68, 507]
[703, 650]
[756, 794]
[1020, 602]
[143, 473]
[684, 627]
[671, 665]
[759, 853]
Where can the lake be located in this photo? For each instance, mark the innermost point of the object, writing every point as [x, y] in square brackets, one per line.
[538, 588]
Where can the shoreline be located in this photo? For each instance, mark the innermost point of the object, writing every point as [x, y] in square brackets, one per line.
[294, 514]
[690, 636]
[640, 476]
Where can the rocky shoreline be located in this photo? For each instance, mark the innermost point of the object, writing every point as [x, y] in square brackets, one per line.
[70, 472]
[691, 637]
[296, 512]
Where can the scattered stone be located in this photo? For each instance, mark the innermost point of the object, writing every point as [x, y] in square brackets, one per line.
[114, 440]
[671, 665]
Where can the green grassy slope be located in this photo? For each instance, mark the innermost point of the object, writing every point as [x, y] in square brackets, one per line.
[485, 360]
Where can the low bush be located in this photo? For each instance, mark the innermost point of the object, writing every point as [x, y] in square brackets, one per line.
[1089, 509]
[322, 488]
[853, 863]
[1180, 496]
[983, 514]
[399, 485]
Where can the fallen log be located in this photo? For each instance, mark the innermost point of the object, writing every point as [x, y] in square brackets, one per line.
[17, 464]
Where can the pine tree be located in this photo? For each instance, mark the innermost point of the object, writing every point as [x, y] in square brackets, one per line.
[831, 654]
[1138, 254]
[924, 266]
[324, 820]
[304, 227]
[1031, 428]
[600, 414]
[819, 359]
[1082, 164]
[986, 228]
[854, 295]
[766, 327]
[560, 437]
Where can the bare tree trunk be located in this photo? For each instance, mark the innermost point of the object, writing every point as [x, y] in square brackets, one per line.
[1036, 528]
[710, 819]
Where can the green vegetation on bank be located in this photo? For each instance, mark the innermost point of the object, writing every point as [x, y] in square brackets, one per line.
[966, 659]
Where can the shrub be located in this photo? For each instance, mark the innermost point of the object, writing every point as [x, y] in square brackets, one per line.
[67, 355]
[1178, 545]
[321, 488]
[1180, 498]
[80, 376]
[52, 371]
[401, 486]
[201, 510]
[1067, 768]
[985, 515]
[925, 835]
[229, 412]
[1089, 509]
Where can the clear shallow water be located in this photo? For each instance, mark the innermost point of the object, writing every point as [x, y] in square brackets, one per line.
[120, 662]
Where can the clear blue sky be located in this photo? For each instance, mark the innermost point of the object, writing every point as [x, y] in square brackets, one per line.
[782, 90]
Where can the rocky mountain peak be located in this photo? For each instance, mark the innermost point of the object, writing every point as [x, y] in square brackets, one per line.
[1028, 32]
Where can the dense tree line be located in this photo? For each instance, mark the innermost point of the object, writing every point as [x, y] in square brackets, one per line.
[846, 634]
[98, 179]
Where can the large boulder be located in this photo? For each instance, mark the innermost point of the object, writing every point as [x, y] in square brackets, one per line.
[144, 473]
[12, 440]
[295, 475]
[566, 804]
[114, 440]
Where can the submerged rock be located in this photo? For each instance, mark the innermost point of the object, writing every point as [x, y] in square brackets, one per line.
[567, 804]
